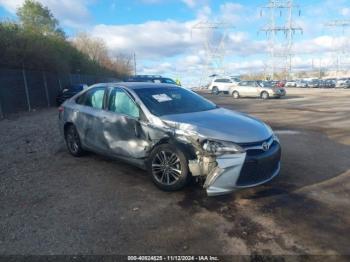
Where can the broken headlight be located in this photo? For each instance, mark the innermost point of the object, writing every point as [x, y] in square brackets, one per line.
[222, 147]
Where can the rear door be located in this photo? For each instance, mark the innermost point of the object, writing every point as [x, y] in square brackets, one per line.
[122, 132]
[88, 116]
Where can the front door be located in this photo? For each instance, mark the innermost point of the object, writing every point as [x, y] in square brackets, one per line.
[122, 132]
[252, 89]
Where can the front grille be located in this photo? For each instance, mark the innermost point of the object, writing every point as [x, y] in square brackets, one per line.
[259, 165]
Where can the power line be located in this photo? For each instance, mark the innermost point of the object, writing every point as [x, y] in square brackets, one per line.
[214, 42]
[341, 52]
[281, 50]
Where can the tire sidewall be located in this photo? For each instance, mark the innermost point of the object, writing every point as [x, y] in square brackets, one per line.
[80, 151]
[234, 94]
[185, 174]
[215, 90]
[265, 95]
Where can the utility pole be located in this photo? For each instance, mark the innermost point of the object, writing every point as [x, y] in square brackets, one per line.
[341, 53]
[214, 42]
[135, 71]
[280, 49]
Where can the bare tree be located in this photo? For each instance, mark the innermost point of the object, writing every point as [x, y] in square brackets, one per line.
[97, 51]
[94, 47]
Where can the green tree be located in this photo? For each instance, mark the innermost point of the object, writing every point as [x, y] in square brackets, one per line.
[36, 17]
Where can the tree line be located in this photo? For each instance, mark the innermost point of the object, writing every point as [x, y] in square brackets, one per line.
[37, 42]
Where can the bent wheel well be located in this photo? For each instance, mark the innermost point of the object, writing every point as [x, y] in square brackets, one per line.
[187, 149]
[66, 126]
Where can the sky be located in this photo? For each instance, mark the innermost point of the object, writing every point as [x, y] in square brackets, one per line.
[161, 34]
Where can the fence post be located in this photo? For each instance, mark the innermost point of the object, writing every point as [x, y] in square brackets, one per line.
[46, 90]
[26, 89]
[59, 83]
[1, 113]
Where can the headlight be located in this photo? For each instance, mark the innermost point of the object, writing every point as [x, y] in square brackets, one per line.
[273, 133]
[222, 147]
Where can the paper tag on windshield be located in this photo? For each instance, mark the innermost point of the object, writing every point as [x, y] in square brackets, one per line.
[162, 98]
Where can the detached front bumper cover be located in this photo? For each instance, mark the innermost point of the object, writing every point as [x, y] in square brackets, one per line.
[225, 177]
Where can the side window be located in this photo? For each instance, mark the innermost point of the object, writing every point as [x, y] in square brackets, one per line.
[120, 102]
[243, 83]
[92, 98]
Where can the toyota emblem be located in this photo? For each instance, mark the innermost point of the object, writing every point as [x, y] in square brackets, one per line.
[265, 146]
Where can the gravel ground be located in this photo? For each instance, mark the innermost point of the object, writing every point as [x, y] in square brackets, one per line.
[53, 203]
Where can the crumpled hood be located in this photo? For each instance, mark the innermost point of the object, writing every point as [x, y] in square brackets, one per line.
[222, 124]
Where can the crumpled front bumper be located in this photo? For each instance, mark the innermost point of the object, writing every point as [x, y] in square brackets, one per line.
[249, 169]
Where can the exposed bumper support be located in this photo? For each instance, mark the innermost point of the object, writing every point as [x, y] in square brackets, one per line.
[223, 178]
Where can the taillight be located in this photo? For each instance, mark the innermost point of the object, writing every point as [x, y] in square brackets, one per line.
[61, 109]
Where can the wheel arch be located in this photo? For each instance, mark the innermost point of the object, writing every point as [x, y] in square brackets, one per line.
[65, 127]
[264, 91]
[188, 150]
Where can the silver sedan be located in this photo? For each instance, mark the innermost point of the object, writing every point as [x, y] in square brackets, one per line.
[173, 133]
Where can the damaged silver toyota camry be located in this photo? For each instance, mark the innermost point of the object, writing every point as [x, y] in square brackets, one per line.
[173, 133]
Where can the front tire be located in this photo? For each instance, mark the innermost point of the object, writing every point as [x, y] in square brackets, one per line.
[73, 141]
[264, 95]
[168, 168]
[235, 95]
[215, 90]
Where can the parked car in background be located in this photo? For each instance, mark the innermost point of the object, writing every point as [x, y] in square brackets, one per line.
[264, 90]
[301, 83]
[328, 83]
[341, 82]
[222, 84]
[314, 83]
[280, 83]
[151, 78]
[173, 133]
[68, 92]
[345, 84]
[291, 83]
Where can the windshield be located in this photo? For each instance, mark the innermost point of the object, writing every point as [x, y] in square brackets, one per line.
[172, 100]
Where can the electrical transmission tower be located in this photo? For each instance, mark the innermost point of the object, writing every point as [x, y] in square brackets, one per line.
[214, 36]
[341, 44]
[280, 50]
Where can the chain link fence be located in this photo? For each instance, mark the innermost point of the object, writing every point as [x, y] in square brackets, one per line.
[25, 90]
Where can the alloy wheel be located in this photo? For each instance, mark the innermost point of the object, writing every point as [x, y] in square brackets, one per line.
[166, 167]
[73, 140]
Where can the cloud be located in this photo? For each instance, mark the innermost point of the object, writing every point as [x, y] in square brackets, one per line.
[345, 11]
[70, 13]
[153, 39]
[231, 12]
[195, 3]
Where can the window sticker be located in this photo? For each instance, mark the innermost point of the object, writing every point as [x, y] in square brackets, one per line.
[162, 98]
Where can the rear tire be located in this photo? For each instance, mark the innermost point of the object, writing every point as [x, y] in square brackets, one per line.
[168, 168]
[264, 95]
[235, 95]
[215, 90]
[73, 141]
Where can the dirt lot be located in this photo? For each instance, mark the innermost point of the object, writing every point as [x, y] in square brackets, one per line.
[52, 203]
